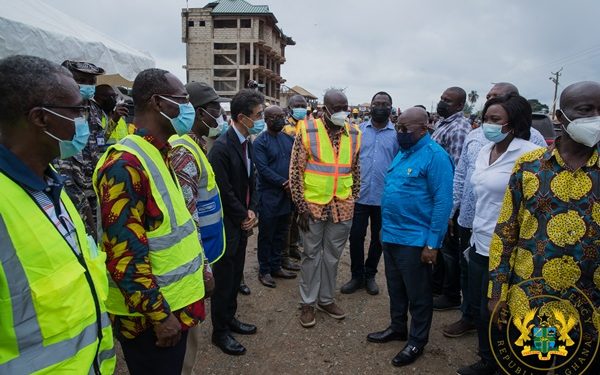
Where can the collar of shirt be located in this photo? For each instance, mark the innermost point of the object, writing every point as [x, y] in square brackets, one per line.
[552, 152]
[14, 168]
[450, 119]
[389, 125]
[417, 146]
[163, 147]
[292, 121]
[239, 134]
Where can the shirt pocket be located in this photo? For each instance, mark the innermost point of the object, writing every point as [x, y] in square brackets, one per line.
[62, 299]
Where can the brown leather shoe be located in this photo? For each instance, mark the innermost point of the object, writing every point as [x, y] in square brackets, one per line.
[283, 274]
[289, 265]
[307, 316]
[332, 310]
[459, 328]
[267, 280]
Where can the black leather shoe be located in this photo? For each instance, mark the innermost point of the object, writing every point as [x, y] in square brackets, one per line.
[242, 328]
[228, 345]
[386, 335]
[244, 289]
[352, 286]
[289, 265]
[283, 274]
[407, 356]
[372, 287]
[267, 280]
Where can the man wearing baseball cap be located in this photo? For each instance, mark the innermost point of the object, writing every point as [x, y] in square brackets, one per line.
[199, 188]
[79, 168]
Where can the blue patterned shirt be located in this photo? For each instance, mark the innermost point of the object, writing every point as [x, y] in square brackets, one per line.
[450, 133]
[377, 150]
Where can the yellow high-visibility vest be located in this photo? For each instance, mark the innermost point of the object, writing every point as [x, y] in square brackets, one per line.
[327, 174]
[52, 314]
[120, 131]
[175, 252]
[209, 208]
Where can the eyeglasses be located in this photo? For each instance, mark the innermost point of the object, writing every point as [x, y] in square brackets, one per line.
[177, 98]
[83, 110]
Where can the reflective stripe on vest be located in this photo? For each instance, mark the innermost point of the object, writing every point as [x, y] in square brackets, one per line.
[209, 210]
[177, 232]
[33, 354]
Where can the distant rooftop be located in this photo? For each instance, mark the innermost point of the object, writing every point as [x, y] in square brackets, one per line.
[241, 7]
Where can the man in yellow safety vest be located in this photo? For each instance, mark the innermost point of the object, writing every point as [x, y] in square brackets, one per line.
[325, 182]
[155, 259]
[53, 280]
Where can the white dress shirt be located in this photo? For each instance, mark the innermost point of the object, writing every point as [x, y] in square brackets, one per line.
[489, 183]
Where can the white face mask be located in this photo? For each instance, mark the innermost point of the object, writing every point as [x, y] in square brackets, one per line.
[338, 118]
[585, 130]
[221, 124]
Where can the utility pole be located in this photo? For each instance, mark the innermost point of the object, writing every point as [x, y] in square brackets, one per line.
[554, 79]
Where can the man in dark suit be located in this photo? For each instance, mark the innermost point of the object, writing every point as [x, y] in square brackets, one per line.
[231, 158]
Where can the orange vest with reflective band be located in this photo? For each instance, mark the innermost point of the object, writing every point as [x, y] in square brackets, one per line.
[328, 174]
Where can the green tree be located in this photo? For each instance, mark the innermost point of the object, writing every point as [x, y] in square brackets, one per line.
[472, 97]
[536, 106]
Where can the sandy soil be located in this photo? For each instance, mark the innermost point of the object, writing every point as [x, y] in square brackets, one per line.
[282, 346]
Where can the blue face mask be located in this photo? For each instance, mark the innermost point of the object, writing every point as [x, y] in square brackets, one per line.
[493, 132]
[87, 91]
[185, 119]
[257, 127]
[80, 138]
[299, 113]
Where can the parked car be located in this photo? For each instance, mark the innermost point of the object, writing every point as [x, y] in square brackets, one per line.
[542, 123]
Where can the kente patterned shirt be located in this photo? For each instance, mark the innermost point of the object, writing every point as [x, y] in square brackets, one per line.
[548, 227]
[336, 210]
[128, 211]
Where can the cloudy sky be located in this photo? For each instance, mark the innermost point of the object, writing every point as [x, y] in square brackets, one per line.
[412, 49]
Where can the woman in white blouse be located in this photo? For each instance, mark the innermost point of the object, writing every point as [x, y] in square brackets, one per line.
[507, 124]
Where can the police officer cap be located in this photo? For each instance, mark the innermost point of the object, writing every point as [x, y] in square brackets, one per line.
[83, 67]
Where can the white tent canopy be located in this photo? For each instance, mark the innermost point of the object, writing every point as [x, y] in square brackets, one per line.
[32, 27]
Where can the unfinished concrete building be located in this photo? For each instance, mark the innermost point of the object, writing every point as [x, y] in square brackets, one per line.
[231, 42]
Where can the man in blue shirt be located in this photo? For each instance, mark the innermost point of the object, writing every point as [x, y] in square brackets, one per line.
[272, 151]
[416, 203]
[378, 148]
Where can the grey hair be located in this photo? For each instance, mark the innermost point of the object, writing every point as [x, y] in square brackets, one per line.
[27, 82]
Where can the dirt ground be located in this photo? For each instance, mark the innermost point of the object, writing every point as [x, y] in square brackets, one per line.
[282, 346]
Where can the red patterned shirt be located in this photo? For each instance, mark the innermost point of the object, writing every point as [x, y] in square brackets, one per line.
[128, 211]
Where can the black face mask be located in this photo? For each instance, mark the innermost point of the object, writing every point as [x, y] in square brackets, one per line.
[443, 109]
[108, 105]
[405, 140]
[277, 125]
[380, 114]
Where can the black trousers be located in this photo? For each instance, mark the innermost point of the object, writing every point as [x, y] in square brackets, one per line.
[360, 268]
[451, 250]
[272, 238]
[409, 288]
[228, 272]
[143, 357]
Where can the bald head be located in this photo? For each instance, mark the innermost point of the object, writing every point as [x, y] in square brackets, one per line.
[414, 115]
[334, 97]
[502, 89]
[578, 93]
[273, 111]
[297, 101]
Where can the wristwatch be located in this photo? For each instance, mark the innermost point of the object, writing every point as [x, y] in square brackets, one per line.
[430, 248]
